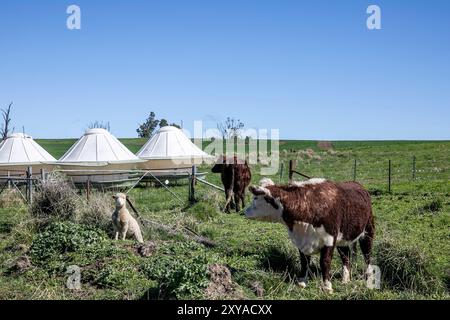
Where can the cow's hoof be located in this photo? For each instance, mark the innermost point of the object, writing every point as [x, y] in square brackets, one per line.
[345, 275]
[327, 287]
[302, 282]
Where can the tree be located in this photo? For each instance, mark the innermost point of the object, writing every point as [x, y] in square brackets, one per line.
[147, 129]
[5, 129]
[100, 125]
[163, 123]
[230, 128]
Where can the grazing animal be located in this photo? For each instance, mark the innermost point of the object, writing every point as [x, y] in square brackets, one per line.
[236, 176]
[123, 221]
[319, 215]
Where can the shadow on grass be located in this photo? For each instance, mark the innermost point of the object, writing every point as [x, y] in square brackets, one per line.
[281, 260]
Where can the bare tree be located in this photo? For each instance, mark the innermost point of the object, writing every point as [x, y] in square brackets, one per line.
[230, 128]
[100, 125]
[5, 129]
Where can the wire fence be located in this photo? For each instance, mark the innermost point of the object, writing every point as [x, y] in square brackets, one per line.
[377, 169]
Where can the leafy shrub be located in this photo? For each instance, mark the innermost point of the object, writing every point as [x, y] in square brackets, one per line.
[55, 199]
[406, 267]
[179, 278]
[180, 269]
[121, 275]
[59, 238]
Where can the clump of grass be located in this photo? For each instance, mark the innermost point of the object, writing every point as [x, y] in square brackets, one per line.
[207, 207]
[10, 198]
[406, 267]
[55, 199]
[97, 212]
[431, 206]
[281, 259]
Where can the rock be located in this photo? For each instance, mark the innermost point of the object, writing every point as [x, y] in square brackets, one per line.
[146, 249]
[258, 289]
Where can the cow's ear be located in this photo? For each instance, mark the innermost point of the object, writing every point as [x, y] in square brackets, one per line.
[257, 191]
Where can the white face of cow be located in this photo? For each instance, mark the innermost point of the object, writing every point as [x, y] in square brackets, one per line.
[264, 206]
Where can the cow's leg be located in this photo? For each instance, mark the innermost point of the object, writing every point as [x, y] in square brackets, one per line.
[365, 243]
[243, 198]
[326, 255]
[305, 260]
[237, 202]
[344, 252]
[229, 197]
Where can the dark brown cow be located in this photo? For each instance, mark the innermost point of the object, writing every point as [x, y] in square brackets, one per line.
[236, 176]
[319, 215]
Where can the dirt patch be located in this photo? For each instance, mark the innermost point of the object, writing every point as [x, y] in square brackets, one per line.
[147, 249]
[22, 264]
[257, 289]
[221, 285]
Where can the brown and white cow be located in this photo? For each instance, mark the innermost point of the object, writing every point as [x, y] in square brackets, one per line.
[319, 215]
[236, 176]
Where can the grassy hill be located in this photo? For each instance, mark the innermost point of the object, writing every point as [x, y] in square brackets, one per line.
[411, 247]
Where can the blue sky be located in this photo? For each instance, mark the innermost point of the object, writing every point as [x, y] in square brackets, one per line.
[309, 68]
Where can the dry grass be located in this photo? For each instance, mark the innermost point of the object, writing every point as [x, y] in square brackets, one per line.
[97, 212]
[55, 199]
[10, 198]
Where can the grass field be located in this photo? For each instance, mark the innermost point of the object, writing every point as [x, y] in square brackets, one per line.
[412, 242]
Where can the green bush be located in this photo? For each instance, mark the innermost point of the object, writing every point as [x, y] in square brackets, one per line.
[62, 237]
[180, 269]
[179, 278]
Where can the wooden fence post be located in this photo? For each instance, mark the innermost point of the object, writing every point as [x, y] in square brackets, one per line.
[354, 169]
[281, 171]
[88, 188]
[414, 168]
[192, 185]
[30, 186]
[292, 166]
[389, 176]
[43, 173]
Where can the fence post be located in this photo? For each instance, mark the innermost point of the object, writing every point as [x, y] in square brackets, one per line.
[389, 176]
[9, 180]
[354, 169]
[43, 174]
[292, 166]
[88, 188]
[414, 168]
[281, 171]
[192, 185]
[30, 185]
